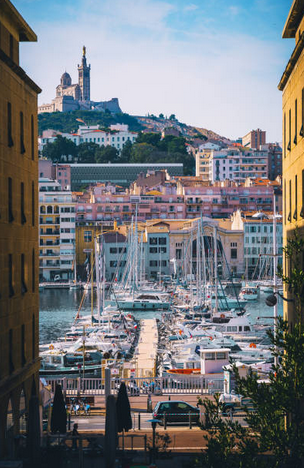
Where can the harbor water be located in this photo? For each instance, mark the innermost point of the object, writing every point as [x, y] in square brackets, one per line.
[58, 309]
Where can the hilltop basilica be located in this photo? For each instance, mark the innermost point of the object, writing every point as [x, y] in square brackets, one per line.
[71, 97]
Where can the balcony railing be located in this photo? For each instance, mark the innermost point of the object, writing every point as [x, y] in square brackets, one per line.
[53, 233]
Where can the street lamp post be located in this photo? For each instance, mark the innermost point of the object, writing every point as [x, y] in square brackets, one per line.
[153, 423]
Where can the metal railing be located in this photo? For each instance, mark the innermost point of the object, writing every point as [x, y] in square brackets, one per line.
[167, 385]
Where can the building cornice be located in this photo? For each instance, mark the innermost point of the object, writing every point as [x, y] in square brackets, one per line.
[293, 20]
[291, 63]
[19, 72]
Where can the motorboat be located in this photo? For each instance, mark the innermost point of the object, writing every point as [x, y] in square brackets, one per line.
[143, 302]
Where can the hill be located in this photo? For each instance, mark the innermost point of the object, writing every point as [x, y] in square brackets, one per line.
[66, 121]
[158, 124]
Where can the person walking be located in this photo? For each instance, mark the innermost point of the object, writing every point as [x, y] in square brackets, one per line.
[75, 435]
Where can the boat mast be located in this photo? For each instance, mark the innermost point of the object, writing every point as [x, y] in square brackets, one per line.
[274, 234]
[97, 269]
[215, 267]
[92, 285]
[204, 262]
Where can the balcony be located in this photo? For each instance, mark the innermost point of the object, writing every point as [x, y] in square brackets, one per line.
[53, 233]
[51, 223]
[52, 254]
[49, 264]
[48, 244]
[191, 201]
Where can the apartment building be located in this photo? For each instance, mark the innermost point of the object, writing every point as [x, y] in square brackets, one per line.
[234, 164]
[157, 250]
[292, 87]
[254, 139]
[19, 300]
[57, 231]
[258, 242]
[117, 136]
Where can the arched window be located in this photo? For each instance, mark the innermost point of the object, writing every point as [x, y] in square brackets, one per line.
[22, 413]
[42, 209]
[49, 209]
[56, 209]
[9, 416]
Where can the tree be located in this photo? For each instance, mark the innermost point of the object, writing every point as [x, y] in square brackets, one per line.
[106, 154]
[161, 116]
[126, 152]
[149, 138]
[172, 117]
[86, 152]
[141, 152]
[276, 426]
[60, 150]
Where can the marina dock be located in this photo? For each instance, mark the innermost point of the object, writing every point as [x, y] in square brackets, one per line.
[146, 350]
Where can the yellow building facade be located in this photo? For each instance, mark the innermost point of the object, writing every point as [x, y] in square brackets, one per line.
[292, 87]
[19, 301]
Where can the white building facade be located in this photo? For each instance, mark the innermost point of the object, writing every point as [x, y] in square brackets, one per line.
[117, 136]
[57, 231]
[231, 164]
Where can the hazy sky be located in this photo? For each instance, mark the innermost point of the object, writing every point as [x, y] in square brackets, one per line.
[213, 63]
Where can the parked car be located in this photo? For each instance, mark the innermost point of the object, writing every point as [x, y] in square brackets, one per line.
[176, 412]
[232, 402]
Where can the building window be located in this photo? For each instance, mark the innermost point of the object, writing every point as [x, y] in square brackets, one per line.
[290, 204]
[10, 141]
[153, 263]
[153, 240]
[296, 122]
[88, 236]
[284, 198]
[33, 270]
[22, 147]
[23, 217]
[11, 49]
[33, 204]
[163, 249]
[153, 250]
[32, 138]
[22, 277]
[23, 358]
[10, 352]
[302, 124]
[284, 131]
[162, 241]
[302, 208]
[113, 250]
[289, 131]
[234, 254]
[10, 200]
[295, 214]
[33, 336]
[10, 275]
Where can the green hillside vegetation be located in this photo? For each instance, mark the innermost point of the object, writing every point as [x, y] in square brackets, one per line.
[148, 148]
[66, 121]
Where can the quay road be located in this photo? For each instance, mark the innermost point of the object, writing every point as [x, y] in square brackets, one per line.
[139, 403]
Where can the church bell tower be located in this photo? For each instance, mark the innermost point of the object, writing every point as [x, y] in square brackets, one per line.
[84, 77]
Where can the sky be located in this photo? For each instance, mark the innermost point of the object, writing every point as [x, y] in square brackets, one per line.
[213, 63]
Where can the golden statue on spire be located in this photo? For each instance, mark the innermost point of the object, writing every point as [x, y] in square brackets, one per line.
[84, 51]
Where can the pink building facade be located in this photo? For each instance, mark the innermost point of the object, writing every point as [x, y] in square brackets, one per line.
[210, 201]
